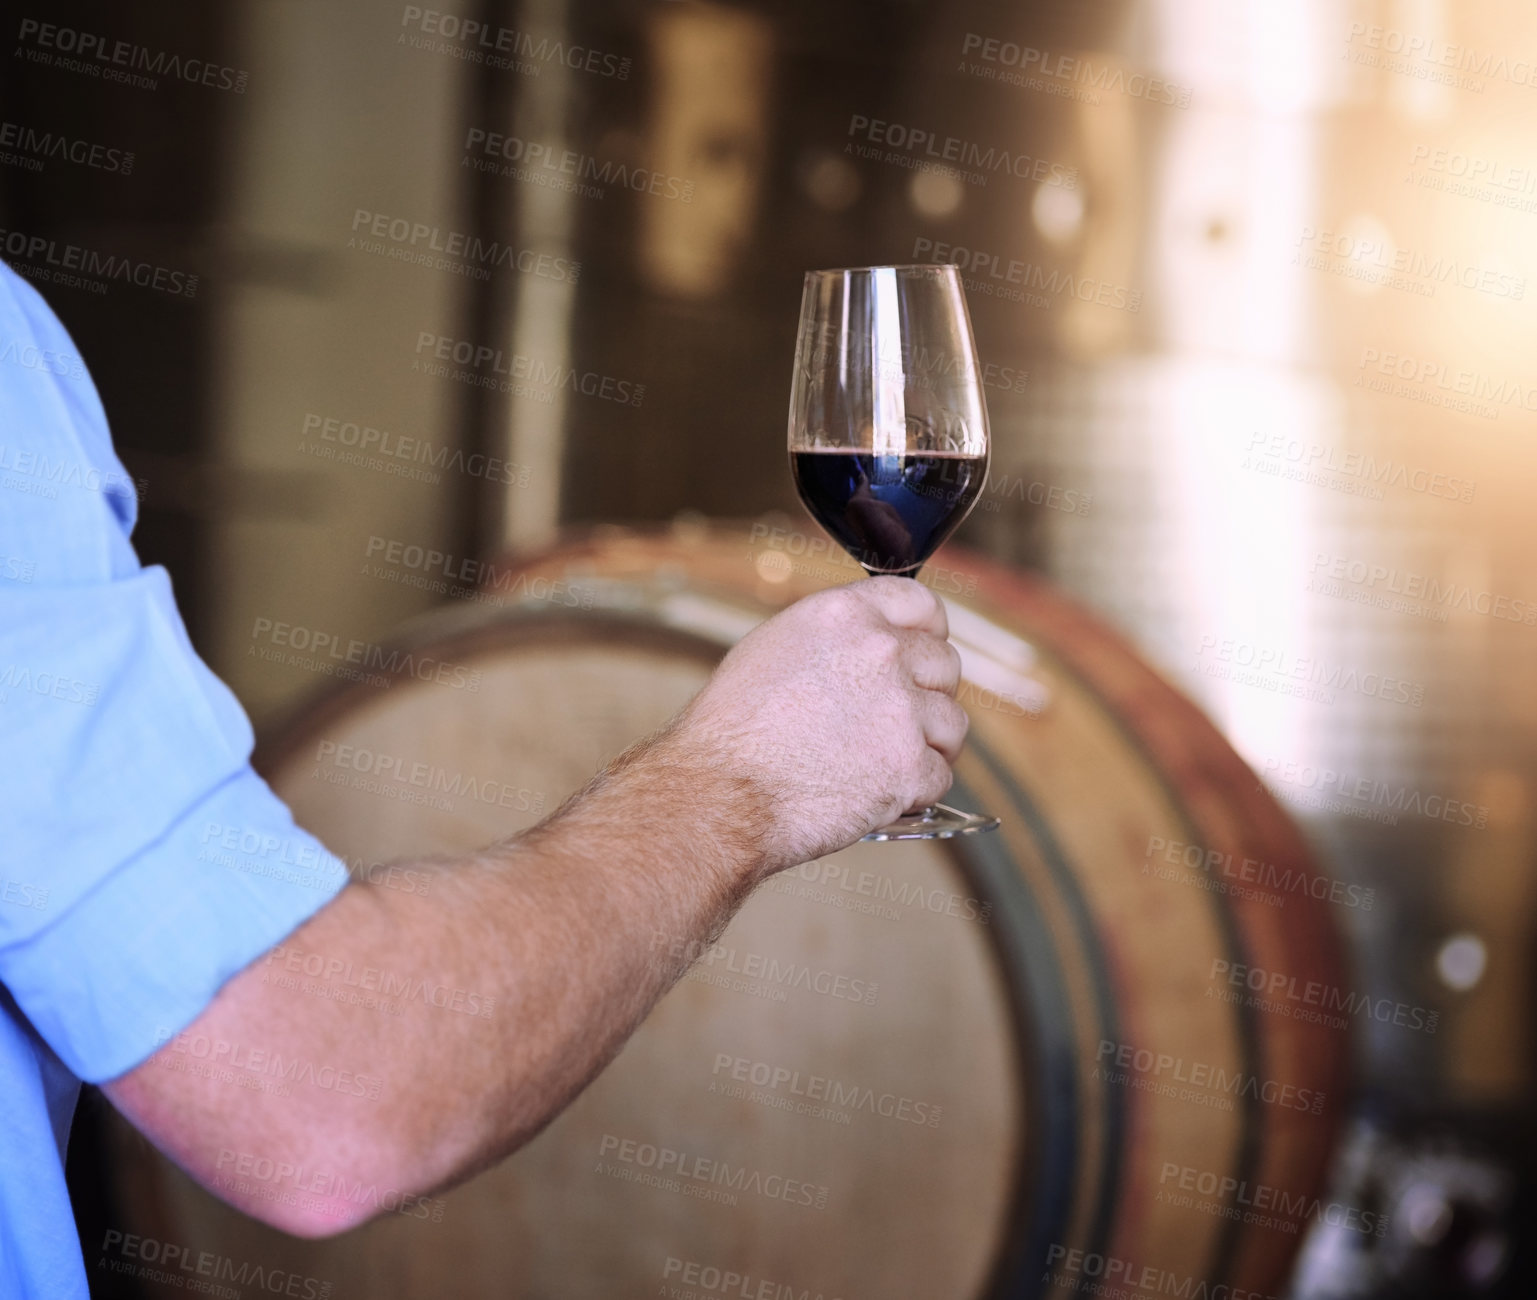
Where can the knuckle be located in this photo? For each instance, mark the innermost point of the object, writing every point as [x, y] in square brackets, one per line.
[942, 666]
[937, 607]
[830, 605]
[937, 777]
[826, 606]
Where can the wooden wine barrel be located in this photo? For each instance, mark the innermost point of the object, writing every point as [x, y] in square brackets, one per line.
[986, 1067]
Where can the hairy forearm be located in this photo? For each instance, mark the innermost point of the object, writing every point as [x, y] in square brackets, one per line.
[546, 948]
[544, 952]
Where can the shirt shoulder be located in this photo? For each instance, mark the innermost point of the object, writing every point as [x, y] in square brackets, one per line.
[142, 861]
[67, 506]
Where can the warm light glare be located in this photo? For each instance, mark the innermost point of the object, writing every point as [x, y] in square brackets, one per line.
[888, 377]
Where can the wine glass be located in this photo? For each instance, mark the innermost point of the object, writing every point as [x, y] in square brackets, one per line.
[888, 433]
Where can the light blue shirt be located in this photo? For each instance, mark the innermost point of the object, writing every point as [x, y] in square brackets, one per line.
[142, 861]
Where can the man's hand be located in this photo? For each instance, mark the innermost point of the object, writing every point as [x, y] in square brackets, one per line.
[828, 720]
[841, 709]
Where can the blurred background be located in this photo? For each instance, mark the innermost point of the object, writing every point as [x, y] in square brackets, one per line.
[1252, 284]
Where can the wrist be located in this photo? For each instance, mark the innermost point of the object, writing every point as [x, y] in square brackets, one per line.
[677, 810]
[704, 803]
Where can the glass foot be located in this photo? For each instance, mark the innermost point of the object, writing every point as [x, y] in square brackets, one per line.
[936, 822]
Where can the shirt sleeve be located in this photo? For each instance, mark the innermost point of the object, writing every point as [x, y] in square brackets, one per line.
[142, 861]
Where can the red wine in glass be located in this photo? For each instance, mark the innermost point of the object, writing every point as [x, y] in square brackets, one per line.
[888, 433]
[889, 512]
